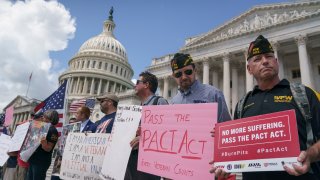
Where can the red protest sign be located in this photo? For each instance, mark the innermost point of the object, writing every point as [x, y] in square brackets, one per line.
[248, 144]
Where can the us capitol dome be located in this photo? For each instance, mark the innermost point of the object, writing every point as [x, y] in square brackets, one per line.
[100, 66]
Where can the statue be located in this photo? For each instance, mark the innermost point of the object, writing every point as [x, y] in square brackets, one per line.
[110, 14]
[246, 25]
[257, 22]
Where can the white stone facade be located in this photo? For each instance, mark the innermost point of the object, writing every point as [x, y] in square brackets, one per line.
[220, 54]
[23, 107]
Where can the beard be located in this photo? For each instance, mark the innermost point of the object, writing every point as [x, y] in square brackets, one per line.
[185, 84]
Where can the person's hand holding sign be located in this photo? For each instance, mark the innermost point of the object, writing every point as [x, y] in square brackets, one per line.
[297, 169]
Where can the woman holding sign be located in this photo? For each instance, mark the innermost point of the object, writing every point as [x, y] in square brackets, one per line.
[41, 158]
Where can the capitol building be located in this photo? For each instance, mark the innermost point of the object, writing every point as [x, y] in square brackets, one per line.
[220, 54]
[100, 66]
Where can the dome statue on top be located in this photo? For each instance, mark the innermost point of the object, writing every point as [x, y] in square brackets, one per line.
[100, 66]
[111, 12]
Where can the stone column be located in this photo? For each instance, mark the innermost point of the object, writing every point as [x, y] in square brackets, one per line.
[160, 85]
[249, 77]
[234, 74]
[226, 78]
[205, 75]
[275, 46]
[120, 88]
[165, 87]
[304, 62]
[107, 87]
[92, 87]
[85, 86]
[77, 86]
[99, 88]
[114, 87]
[69, 90]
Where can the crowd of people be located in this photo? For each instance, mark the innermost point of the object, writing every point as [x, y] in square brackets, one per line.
[261, 64]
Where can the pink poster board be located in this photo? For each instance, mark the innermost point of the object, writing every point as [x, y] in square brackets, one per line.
[9, 115]
[176, 142]
[258, 143]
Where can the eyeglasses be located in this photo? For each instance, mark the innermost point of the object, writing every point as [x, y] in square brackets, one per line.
[186, 72]
[139, 81]
[103, 100]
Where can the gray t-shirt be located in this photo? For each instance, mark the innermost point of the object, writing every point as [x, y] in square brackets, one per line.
[203, 93]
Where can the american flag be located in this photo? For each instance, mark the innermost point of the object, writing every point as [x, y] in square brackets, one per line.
[81, 102]
[55, 101]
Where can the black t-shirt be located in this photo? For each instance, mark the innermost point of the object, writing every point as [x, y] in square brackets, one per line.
[280, 98]
[41, 156]
[12, 162]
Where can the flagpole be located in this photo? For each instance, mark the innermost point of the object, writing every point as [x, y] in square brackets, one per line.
[29, 84]
[66, 101]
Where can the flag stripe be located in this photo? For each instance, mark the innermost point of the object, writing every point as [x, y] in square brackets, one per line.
[81, 102]
[55, 101]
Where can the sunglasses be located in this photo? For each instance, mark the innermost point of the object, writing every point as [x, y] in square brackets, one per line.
[103, 100]
[139, 81]
[186, 72]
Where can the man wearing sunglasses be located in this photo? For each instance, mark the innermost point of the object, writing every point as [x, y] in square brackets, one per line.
[108, 105]
[192, 90]
[145, 89]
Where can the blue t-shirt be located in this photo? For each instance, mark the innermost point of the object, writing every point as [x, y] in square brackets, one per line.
[105, 124]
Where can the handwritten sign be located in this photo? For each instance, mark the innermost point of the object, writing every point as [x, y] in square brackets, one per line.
[75, 127]
[19, 136]
[176, 142]
[258, 143]
[5, 142]
[124, 130]
[37, 130]
[83, 156]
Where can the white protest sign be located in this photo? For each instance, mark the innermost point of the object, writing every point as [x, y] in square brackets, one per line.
[83, 155]
[124, 130]
[5, 142]
[18, 137]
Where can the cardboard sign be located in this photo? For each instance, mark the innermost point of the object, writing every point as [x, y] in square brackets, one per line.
[5, 142]
[176, 142]
[124, 130]
[75, 127]
[37, 130]
[19, 136]
[83, 156]
[258, 143]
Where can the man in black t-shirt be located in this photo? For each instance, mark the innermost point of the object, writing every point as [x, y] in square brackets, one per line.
[264, 67]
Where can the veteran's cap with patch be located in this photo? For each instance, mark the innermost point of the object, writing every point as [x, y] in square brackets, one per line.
[259, 46]
[180, 60]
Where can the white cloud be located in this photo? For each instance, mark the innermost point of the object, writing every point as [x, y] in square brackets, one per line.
[29, 31]
[134, 81]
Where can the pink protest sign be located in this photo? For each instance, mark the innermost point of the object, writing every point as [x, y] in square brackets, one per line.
[176, 142]
[9, 115]
[257, 143]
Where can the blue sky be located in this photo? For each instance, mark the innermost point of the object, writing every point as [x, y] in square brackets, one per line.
[149, 29]
[41, 36]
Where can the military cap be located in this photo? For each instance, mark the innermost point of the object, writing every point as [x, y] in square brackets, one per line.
[259, 46]
[180, 60]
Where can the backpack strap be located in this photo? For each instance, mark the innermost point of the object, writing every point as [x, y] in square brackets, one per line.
[155, 101]
[298, 91]
[240, 105]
